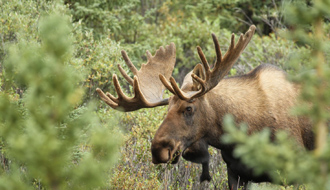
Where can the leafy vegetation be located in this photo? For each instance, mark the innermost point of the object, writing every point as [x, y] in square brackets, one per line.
[56, 134]
[48, 141]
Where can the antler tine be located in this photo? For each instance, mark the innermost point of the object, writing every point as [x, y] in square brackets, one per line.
[149, 56]
[125, 75]
[203, 59]
[166, 84]
[130, 66]
[137, 91]
[235, 50]
[182, 95]
[217, 49]
[129, 62]
[109, 98]
[116, 103]
[106, 99]
[119, 92]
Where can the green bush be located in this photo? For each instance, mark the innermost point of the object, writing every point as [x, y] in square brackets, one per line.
[41, 133]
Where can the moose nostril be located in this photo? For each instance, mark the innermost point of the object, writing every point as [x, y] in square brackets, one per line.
[161, 156]
[161, 151]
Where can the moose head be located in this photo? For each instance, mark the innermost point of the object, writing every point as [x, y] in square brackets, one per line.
[260, 98]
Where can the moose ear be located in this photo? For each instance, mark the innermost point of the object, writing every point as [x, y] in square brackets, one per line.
[199, 71]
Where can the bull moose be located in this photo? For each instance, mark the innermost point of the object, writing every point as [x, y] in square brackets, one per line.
[261, 98]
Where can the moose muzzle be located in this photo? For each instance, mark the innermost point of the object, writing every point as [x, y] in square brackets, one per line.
[165, 151]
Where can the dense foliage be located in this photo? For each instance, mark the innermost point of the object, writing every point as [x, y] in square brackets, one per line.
[56, 134]
[49, 141]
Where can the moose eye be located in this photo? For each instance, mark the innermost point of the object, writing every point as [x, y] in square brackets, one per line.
[188, 109]
[188, 113]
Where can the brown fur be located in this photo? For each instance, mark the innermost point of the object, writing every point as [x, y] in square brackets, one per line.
[262, 98]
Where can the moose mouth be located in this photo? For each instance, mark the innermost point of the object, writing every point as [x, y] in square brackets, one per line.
[175, 154]
[175, 158]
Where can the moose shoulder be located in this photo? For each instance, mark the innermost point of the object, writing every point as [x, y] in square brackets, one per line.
[262, 98]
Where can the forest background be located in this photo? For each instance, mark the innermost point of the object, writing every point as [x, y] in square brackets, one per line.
[55, 133]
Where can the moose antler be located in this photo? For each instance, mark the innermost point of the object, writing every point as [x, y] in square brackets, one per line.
[148, 90]
[222, 66]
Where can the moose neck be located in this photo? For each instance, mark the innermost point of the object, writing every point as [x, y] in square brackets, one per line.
[242, 97]
[226, 98]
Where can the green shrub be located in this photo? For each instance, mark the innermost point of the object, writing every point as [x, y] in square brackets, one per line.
[41, 133]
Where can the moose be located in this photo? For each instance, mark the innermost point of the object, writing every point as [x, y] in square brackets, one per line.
[261, 98]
